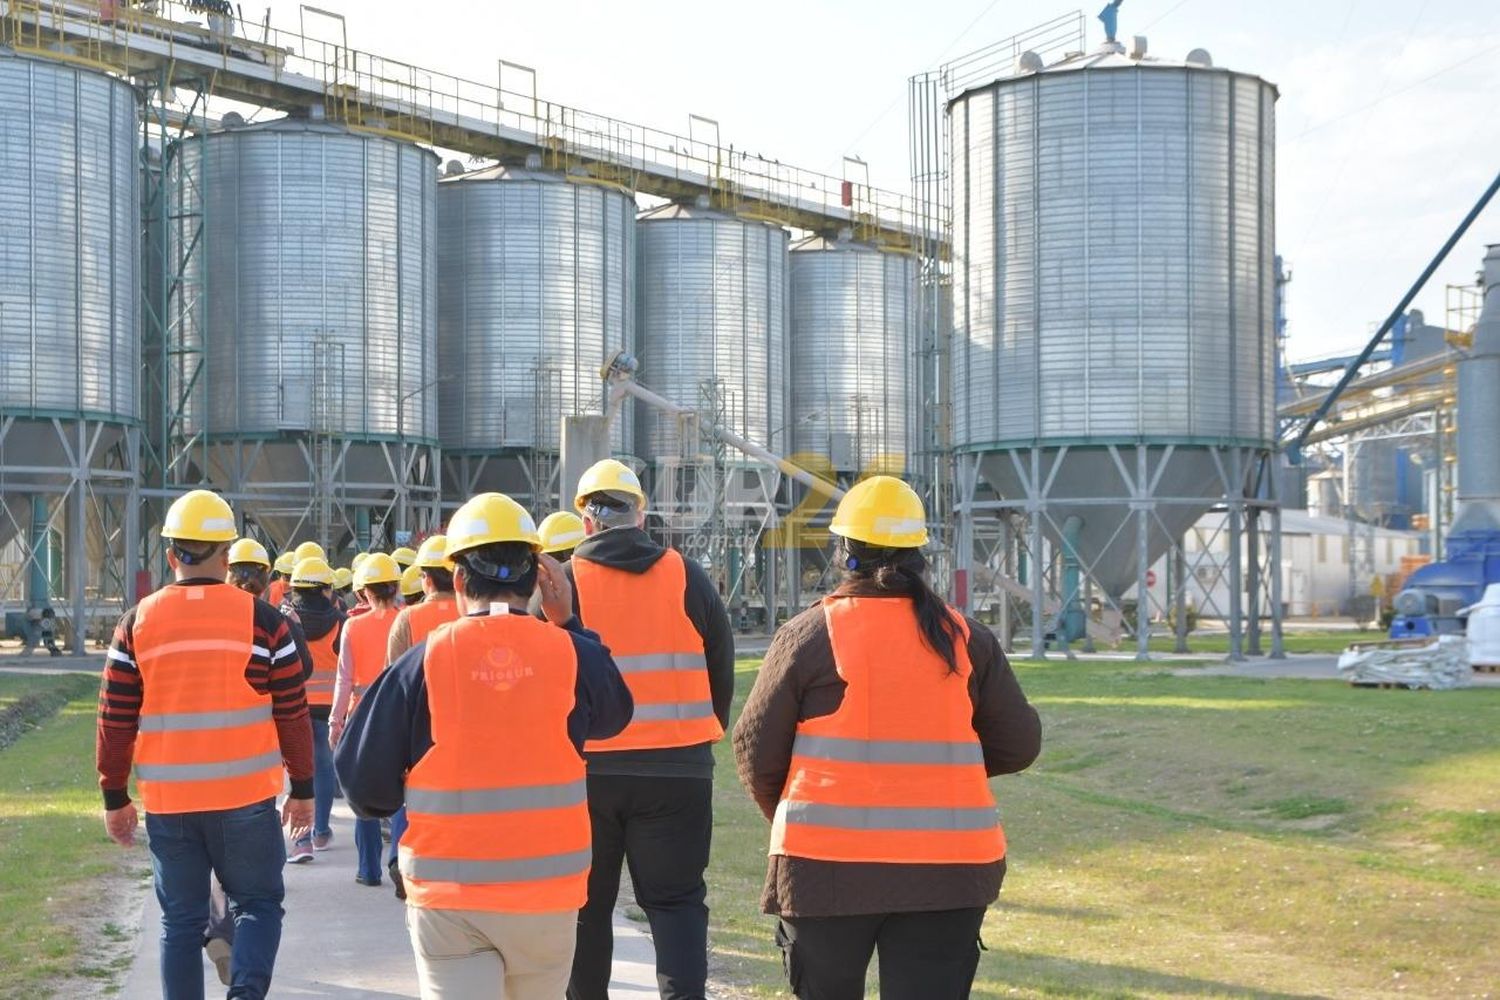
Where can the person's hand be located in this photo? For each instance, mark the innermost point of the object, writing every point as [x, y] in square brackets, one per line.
[335, 731]
[297, 817]
[556, 591]
[121, 824]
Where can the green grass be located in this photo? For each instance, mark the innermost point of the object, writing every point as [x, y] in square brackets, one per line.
[52, 844]
[1213, 836]
[1302, 641]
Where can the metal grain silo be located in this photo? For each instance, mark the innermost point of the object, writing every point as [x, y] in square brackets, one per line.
[853, 354]
[70, 350]
[713, 328]
[309, 252]
[536, 290]
[1113, 246]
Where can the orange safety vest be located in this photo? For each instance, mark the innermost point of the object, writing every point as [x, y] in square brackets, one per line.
[366, 637]
[640, 617]
[424, 617]
[276, 592]
[325, 668]
[498, 807]
[896, 774]
[206, 739]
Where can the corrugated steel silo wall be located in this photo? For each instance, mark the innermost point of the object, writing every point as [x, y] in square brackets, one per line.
[853, 354]
[714, 305]
[70, 227]
[1114, 255]
[311, 289]
[536, 290]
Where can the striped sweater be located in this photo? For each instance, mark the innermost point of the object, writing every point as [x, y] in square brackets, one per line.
[274, 668]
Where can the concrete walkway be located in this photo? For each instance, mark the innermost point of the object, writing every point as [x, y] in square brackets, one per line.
[347, 941]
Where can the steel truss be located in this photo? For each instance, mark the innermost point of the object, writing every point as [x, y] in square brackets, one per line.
[999, 536]
[90, 488]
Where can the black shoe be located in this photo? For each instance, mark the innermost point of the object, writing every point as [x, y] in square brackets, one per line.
[395, 871]
[366, 881]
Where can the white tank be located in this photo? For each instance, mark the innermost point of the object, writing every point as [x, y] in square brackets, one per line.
[1484, 629]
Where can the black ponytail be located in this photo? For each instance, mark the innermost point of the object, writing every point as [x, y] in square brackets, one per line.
[904, 571]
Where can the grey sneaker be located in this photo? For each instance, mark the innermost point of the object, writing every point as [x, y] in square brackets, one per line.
[301, 852]
[322, 841]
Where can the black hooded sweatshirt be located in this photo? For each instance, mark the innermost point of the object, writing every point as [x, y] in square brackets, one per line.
[318, 616]
[632, 550]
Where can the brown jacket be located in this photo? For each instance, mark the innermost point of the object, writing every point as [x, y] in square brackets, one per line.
[798, 681]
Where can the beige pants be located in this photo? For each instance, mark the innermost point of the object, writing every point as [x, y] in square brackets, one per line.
[466, 954]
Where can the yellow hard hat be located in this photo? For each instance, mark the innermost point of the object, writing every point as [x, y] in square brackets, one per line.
[309, 550]
[379, 568]
[404, 556]
[884, 511]
[285, 563]
[560, 531]
[487, 519]
[248, 550]
[434, 554]
[359, 557]
[411, 581]
[312, 572]
[342, 578]
[611, 476]
[200, 516]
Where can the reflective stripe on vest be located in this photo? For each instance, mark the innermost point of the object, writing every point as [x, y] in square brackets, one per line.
[886, 751]
[497, 809]
[206, 739]
[184, 721]
[473, 801]
[641, 618]
[464, 872]
[207, 772]
[888, 817]
[896, 774]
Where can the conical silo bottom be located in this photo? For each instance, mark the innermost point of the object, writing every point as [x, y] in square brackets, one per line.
[1088, 482]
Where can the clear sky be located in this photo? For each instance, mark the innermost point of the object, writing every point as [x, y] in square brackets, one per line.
[1388, 128]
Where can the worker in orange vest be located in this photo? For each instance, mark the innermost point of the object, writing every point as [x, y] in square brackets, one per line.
[437, 607]
[203, 693]
[868, 740]
[361, 659]
[281, 572]
[322, 621]
[651, 787]
[496, 856]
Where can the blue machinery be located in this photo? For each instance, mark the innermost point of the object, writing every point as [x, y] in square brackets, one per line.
[1435, 593]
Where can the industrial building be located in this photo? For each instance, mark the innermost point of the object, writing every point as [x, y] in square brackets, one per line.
[348, 293]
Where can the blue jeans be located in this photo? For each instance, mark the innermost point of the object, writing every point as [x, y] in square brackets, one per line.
[324, 780]
[367, 847]
[244, 848]
[398, 827]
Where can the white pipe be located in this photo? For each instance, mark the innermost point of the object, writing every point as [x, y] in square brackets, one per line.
[755, 451]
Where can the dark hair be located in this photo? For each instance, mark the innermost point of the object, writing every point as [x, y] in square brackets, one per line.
[383, 592]
[249, 572]
[903, 571]
[442, 579]
[498, 570]
[192, 553]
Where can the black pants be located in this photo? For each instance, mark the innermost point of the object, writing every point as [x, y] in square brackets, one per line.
[661, 828]
[923, 956]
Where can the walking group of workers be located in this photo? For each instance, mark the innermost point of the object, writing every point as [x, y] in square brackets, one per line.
[546, 713]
